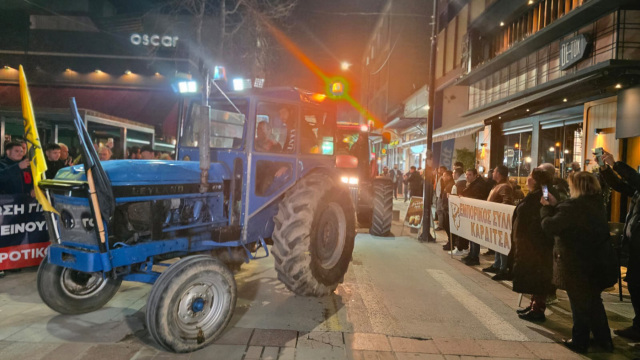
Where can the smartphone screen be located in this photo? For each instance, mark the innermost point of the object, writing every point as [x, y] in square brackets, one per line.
[545, 192]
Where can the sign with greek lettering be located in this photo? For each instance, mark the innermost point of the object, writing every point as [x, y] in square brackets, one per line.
[573, 50]
[153, 40]
[485, 223]
[23, 232]
[414, 212]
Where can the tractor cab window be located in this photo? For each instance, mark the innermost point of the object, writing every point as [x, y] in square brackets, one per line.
[317, 132]
[227, 124]
[276, 128]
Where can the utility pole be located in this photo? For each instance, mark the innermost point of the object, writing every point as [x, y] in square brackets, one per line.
[428, 188]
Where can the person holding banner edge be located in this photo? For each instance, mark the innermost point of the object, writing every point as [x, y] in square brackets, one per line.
[502, 193]
[476, 189]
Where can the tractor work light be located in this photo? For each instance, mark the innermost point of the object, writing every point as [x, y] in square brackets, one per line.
[188, 87]
[240, 84]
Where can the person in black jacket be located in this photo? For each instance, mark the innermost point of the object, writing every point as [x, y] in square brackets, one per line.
[15, 174]
[625, 180]
[531, 249]
[415, 182]
[583, 262]
[476, 188]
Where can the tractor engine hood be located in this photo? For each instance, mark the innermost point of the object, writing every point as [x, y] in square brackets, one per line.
[149, 172]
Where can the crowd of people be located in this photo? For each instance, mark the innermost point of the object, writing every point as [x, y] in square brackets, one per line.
[560, 238]
[15, 171]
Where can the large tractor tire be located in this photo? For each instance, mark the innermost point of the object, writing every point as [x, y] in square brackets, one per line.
[73, 292]
[382, 207]
[314, 235]
[191, 303]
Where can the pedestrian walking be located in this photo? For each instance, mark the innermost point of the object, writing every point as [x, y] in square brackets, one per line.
[415, 182]
[584, 262]
[395, 175]
[531, 249]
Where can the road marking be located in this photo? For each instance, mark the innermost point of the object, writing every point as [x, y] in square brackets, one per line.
[492, 321]
[380, 317]
[333, 320]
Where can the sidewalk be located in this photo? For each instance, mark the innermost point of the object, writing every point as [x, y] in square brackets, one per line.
[619, 313]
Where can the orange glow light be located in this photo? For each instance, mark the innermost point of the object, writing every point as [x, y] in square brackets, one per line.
[318, 97]
[304, 59]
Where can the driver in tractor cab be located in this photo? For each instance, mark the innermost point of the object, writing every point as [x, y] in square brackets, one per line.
[264, 142]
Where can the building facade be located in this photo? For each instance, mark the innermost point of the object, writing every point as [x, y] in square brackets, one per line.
[117, 67]
[541, 81]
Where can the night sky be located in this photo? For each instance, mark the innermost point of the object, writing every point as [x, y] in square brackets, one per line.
[327, 31]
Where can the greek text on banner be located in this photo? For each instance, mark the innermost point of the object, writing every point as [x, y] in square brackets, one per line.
[485, 223]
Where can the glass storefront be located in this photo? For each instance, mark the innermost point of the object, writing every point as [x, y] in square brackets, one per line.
[560, 144]
[517, 155]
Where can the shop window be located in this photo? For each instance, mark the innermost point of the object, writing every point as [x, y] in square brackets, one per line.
[463, 18]
[517, 156]
[560, 145]
[440, 54]
[450, 46]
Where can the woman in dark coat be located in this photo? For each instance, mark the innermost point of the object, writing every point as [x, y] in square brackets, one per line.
[583, 262]
[532, 249]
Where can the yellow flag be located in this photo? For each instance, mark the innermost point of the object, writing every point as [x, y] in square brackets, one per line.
[34, 149]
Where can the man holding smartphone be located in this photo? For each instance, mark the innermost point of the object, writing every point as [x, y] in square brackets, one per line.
[625, 180]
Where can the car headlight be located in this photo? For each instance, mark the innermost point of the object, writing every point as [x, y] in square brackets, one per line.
[349, 180]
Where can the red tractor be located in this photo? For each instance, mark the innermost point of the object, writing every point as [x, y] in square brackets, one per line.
[372, 195]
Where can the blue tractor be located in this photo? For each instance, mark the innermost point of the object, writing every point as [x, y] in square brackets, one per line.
[267, 175]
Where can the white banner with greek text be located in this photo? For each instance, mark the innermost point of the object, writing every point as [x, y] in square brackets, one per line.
[485, 223]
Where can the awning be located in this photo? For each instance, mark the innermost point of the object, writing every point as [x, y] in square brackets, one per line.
[401, 123]
[478, 116]
[450, 132]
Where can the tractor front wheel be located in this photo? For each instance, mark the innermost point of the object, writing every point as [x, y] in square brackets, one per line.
[314, 236]
[382, 207]
[191, 303]
[72, 292]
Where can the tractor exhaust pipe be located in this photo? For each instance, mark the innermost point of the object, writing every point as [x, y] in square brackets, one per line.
[204, 136]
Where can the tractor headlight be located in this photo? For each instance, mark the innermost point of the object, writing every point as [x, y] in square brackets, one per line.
[349, 180]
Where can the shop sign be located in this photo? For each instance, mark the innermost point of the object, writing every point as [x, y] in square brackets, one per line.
[573, 50]
[153, 40]
[414, 212]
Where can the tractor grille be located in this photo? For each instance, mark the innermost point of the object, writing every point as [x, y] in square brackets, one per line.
[75, 221]
[353, 189]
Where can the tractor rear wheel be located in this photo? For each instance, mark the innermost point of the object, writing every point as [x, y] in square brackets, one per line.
[314, 236]
[73, 292]
[382, 207]
[191, 303]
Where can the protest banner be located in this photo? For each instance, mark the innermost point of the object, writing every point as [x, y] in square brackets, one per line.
[23, 232]
[485, 223]
[414, 212]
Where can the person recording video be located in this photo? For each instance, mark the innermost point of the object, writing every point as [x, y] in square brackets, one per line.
[625, 180]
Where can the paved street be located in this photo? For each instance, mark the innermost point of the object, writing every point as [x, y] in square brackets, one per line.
[401, 299]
